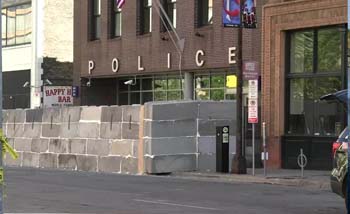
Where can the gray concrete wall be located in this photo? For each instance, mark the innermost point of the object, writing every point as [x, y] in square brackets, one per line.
[181, 136]
[97, 139]
[157, 138]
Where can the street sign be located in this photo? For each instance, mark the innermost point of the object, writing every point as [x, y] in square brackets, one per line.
[250, 70]
[253, 111]
[253, 89]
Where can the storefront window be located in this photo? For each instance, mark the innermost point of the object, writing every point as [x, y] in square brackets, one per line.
[307, 115]
[302, 52]
[212, 87]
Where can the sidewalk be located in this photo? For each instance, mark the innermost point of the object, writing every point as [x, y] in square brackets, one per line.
[312, 179]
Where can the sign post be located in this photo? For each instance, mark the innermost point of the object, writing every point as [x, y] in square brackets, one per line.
[251, 73]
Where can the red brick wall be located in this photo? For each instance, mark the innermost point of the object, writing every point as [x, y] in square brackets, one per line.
[152, 48]
[277, 19]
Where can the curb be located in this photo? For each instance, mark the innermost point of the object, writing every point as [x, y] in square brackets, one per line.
[307, 182]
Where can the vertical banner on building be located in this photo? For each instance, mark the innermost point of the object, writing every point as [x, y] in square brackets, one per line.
[348, 106]
[231, 13]
[249, 14]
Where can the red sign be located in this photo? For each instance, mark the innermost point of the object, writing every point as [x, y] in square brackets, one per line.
[253, 111]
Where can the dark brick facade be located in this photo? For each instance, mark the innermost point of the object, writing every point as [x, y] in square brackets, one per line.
[215, 42]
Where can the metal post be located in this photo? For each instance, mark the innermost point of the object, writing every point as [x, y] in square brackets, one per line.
[348, 103]
[302, 162]
[1, 97]
[239, 161]
[264, 146]
[253, 153]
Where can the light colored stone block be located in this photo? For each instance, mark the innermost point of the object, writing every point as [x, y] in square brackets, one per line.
[51, 130]
[40, 145]
[90, 113]
[23, 144]
[121, 147]
[98, 147]
[16, 116]
[109, 164]
[34, 115]
[32, 130]
[131, 114]
[9, 161]
[87, 163]
[15, 130]
[129, 165]
[69, 130]
[70, 114]
[58, 146]
[111, 114]
[52, 115]
[88, 130]
[110, 131]
[48, 160]
[67, 161]
[130, 131]
[76, 146]
[30, 159]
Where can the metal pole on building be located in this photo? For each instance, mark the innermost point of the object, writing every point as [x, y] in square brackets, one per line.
[348, 103]
[239, 161]
[1, 98]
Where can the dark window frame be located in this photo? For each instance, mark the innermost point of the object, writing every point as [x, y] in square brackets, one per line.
[203, 13]
[95, 34]
[114, 11]
[144, 23]
[169, 8]
[312, 75]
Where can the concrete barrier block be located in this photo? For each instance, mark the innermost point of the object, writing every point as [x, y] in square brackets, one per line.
[217, 110]
[71, 114]
[87, 163]
[175, 111]
[67, 161]
[58, 146]
[51, 115]
[148, 112]
[170, 163]
[23, 144]
[16, 116]
[76, 146]
[15, 130]
[5, 115]
[147, 129]
[130, 131]
[48, 160]
[109, 164]
[90, 113]
[69, 130]
[30, 159]
[88, 130]
[51, 130]
[98, 147]
[207, 145]
[4, 129]
[207, 162]
[9, 161]
[208, 127]
[174, 128]
[40, 145]
[121, 147]
[110, 131]
[131, 114]
[34, 115]
[112, 114]
[174, 145]
[129, 165]
[32, 130]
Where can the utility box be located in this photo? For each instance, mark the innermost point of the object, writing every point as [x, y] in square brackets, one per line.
[222, 148]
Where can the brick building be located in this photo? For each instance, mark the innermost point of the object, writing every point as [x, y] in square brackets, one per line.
[303, 58]
[114, 46]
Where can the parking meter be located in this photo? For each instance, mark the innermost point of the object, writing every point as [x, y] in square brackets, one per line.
[222, 149]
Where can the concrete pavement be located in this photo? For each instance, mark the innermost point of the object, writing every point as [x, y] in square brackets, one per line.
[45, 191]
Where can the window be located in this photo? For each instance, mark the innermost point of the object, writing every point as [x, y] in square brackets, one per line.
[170, 10]
[116, 20]
[315, 69]
[204, 12]
[150, 88]
[95, 19]
[16, 25]
[212, 87]
[145, 16]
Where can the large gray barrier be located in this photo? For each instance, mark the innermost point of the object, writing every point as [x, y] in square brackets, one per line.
[154, 138]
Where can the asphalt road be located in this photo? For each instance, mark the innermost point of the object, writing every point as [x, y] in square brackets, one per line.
[43, 191]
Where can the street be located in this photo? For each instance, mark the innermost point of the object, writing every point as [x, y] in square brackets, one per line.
[45, 191]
